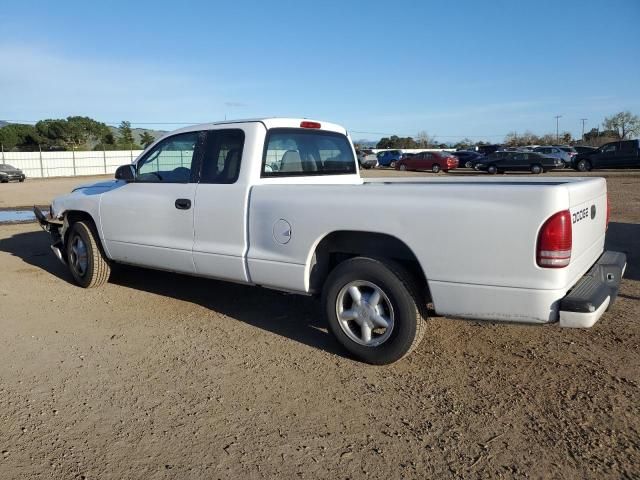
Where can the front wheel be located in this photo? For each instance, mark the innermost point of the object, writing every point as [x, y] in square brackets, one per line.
[468, 164]
[435, 168]
[492, 169]
[88, 264]
[392, 164]
[374, 309]
[583, 166]
[536, 169]
[403, 167]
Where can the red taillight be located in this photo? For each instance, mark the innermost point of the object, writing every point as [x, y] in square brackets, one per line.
[554, 241]
[306, 124]
[608, 212]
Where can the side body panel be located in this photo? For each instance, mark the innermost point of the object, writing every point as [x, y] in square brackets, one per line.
[503, 219]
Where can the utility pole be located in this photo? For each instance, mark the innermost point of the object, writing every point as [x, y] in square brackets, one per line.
[557, 117]
[583, 120]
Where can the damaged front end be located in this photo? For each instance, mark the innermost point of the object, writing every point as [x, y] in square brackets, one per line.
[53, 227]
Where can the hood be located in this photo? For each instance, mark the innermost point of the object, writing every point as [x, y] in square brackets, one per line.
[99, 186]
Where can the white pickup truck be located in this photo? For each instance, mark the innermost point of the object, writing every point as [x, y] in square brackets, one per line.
[279, 203]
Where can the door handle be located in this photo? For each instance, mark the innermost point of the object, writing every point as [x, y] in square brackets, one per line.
[183, 204]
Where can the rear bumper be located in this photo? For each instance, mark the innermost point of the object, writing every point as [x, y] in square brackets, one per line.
[54, 229]
[594, 293]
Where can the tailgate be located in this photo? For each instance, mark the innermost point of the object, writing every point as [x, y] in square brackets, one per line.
[588, 208]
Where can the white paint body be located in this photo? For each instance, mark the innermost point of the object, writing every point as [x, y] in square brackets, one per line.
[474, 238]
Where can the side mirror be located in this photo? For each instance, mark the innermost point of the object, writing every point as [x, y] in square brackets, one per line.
[126, 173]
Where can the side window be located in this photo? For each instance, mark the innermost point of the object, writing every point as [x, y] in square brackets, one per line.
[611, 148]
[222, 156]
[170, 161]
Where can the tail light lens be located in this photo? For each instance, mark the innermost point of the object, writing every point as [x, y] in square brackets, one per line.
[554, 241]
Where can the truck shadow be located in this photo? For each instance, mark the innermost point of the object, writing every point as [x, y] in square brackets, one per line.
[296, 317]
[293, 316]
[625, 237]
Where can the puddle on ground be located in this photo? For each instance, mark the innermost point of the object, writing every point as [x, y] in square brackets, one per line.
[11, 216]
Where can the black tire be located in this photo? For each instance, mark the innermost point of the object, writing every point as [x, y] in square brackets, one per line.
[583, 166]
[468, 164]
[392, 164]
[436, 168]
[21, 180]
[402, 294]
[492, 169]
[536, 169]
[97, 269]
[403, 167]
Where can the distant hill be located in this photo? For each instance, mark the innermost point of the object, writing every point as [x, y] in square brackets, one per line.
[3, 123]
[366, 143]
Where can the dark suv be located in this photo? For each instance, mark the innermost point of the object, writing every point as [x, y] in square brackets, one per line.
[624, 154]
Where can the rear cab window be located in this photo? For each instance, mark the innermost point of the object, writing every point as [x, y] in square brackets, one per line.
[303, 152]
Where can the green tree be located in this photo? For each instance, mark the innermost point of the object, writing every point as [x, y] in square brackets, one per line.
[125, 134]
[146, 139]
[83, 130]
[625, 124]
[73, 132]
[397, 142]
[464, 144]
[18, 136]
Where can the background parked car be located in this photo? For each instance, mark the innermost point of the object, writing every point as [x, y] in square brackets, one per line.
[625, 154]
[389, 156]
[9, 173]
[500, 162]
[434, 161]
[467, 158]
[557, 152]
[584, 149]
[367, 159]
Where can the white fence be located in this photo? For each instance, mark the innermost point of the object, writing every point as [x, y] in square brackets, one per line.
[68, 164]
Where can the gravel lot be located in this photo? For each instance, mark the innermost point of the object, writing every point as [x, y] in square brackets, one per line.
[164, 376]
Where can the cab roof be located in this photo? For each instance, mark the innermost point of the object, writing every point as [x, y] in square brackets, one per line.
[268, 122]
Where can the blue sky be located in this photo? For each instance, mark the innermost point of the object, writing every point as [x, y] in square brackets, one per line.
[452, 68]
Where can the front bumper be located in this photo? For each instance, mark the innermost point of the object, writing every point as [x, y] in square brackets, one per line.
[54, 229]
[594, 293]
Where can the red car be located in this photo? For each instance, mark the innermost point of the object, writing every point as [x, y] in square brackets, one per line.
[434, 161]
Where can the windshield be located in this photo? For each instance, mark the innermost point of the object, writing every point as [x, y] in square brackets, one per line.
[293, 151]
[6, 166]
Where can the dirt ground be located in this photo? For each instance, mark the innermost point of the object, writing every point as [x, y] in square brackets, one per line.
[161, 376]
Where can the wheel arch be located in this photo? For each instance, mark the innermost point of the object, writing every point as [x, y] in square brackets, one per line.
[73, 216]
[337, 246]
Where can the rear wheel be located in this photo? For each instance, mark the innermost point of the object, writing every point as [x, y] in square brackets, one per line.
[374, 309]
[435, 168]
[583, 166]
[537, 169]
[492, 169]
[468, 164]
[393, 164]
[403, 167]
[87, 263]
